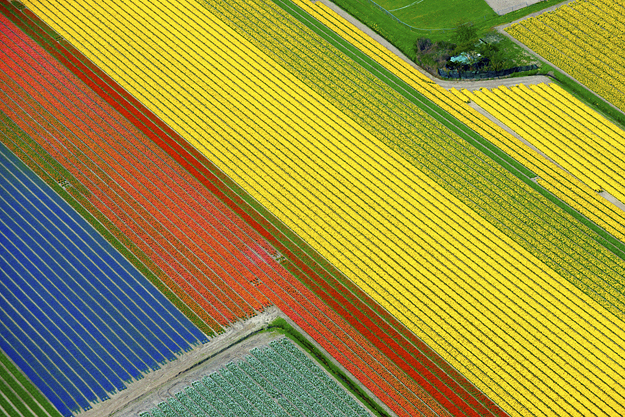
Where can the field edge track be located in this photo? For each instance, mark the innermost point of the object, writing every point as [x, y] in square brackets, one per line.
[393, 378]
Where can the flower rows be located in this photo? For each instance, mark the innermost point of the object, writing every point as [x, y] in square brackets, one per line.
[537, 236]
[468, 289]
[399, 236]
[591, 155]
[583, 38]
[270, 381]
[48, 168]
[109, 168]
[559, 182]
[498, 104]
[339, 339]
[382, 381]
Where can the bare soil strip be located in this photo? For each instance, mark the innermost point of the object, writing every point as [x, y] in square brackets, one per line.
[499, 123]
[507, 82]
[502, 7]
[233, 342]
[613, 200]
[512, 132]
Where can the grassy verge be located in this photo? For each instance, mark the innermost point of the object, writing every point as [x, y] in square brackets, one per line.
[312, 259]
[405, 90]
[517, 169]
[437, 14]
[582, 93]
[477, 140]
[281, 326]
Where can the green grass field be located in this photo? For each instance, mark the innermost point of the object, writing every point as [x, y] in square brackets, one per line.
[433, 18]
[437, 14]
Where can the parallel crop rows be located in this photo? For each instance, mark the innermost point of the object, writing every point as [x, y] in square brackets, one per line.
[188, 251]
[277, 380]
[562, 184]
[346, 344]
[584, 143]
[498, 313]
[586, 39]
[75, 316]
[19, 395]
[450, 161]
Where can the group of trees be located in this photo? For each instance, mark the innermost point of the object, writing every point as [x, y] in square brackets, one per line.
[464, 40]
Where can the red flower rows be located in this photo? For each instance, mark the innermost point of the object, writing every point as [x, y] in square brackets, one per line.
[357, 334]
[109, 171]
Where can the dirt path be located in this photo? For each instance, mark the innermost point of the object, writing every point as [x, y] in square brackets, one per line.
[137, 390]
[472, 85]
[151, 398]
[174, 376]
[502, 7]
[508, 82]
[613, 200]
[168, 387]
[512, 132]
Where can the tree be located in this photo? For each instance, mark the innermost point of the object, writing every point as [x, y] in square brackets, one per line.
[464, 36]
[495, 55]
[423, 45]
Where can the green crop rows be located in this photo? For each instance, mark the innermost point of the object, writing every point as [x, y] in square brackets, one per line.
[275, 380]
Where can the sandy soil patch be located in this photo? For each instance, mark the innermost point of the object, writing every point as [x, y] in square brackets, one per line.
[173, 377]
[502, 7]
[203, 368]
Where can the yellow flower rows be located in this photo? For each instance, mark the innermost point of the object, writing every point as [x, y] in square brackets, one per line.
[524, 335]
[586, 39]
[562, 184]
[584, 143]
[491, 191]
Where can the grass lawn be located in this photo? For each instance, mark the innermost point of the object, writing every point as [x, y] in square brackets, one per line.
[437, 14]
[433, 17]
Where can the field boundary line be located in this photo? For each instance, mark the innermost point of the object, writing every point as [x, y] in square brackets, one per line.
[196, 164]
[611, 243]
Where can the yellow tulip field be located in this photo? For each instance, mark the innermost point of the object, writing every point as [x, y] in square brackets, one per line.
[515, 293]
[585, 38]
